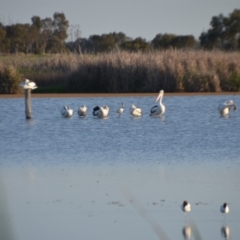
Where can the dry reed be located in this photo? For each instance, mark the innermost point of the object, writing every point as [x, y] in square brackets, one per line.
[171, 70]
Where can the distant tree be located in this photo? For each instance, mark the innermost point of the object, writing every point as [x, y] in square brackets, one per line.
[138, 44]
[224, 32]
[162, 41]
[187, 41]
[2, 38]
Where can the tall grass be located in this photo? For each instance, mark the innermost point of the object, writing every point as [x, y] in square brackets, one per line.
[171, 70]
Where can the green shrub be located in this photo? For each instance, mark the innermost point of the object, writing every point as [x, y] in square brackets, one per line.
[9, 80]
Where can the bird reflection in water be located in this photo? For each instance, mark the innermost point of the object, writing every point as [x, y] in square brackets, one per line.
[187, 232]
[225, 232]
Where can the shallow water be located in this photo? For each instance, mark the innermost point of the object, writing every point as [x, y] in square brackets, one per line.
[117, 178]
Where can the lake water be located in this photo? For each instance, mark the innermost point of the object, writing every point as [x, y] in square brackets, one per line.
[120, 177]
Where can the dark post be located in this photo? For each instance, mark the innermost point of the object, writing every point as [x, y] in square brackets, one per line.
[28, 108]
[28, 86]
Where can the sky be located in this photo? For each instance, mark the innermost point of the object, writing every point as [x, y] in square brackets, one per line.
[135, 18]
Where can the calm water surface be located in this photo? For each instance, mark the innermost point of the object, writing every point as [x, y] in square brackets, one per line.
[94, 178]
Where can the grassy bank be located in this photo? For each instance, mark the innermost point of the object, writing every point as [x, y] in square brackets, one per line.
[124, 72]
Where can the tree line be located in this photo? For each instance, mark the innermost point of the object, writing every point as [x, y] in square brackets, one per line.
[50, 35]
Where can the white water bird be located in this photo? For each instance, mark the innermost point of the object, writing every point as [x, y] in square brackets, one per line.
[159, 109]
[186, 207]
[27, 84]
[224, 108]
[135, 111]
[101, 112]
[82, 111]
[224, 209]
[66, 111]
[120, 110]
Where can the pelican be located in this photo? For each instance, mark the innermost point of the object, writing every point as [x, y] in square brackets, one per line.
[66, 111]
[186, 207]
[27, 84]
[159, 109]
[82, 111]
[224, 209]
[101, 112]
[120, 110]
[135, 111]
[224, 108]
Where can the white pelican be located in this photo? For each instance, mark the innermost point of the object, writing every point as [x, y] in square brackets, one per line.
[186, 207]
[224, 108]
[101, 112]
[27, 84]
[120, 110]
[66, 111]
[135, 111]
[159, 109]
[224, 209]
[82, 111]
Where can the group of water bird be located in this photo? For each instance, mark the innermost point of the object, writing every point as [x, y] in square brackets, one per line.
[156, 111]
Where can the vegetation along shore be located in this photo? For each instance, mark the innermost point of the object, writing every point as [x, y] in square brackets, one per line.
[115, 63]
[123, 72]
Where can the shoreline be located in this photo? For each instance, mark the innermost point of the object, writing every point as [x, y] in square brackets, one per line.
[96, 95]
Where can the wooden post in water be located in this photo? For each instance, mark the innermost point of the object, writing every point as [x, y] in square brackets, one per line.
[27, 85]
[28, 109]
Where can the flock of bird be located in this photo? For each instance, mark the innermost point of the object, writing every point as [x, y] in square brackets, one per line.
[156, 111]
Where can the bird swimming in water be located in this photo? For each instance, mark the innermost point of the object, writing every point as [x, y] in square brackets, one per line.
[159, 109]
[82, 111]
[120, 110]
[101, 112]
[135, 111]
[224, 108]
[66, 111]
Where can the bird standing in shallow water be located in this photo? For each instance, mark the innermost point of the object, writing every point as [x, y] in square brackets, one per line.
[120, 110]
[224, 209]
[186, 207]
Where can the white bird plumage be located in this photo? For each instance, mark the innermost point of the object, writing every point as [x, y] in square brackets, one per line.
[66, 111]
[101, 112]
[82, 111]
[120, 110]
[224, 108]
[135, 111]
[224, 209]
[186, 206]
[27, 84]
[159, 109]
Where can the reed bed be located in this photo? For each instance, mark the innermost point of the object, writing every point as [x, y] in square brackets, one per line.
[125, 72]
